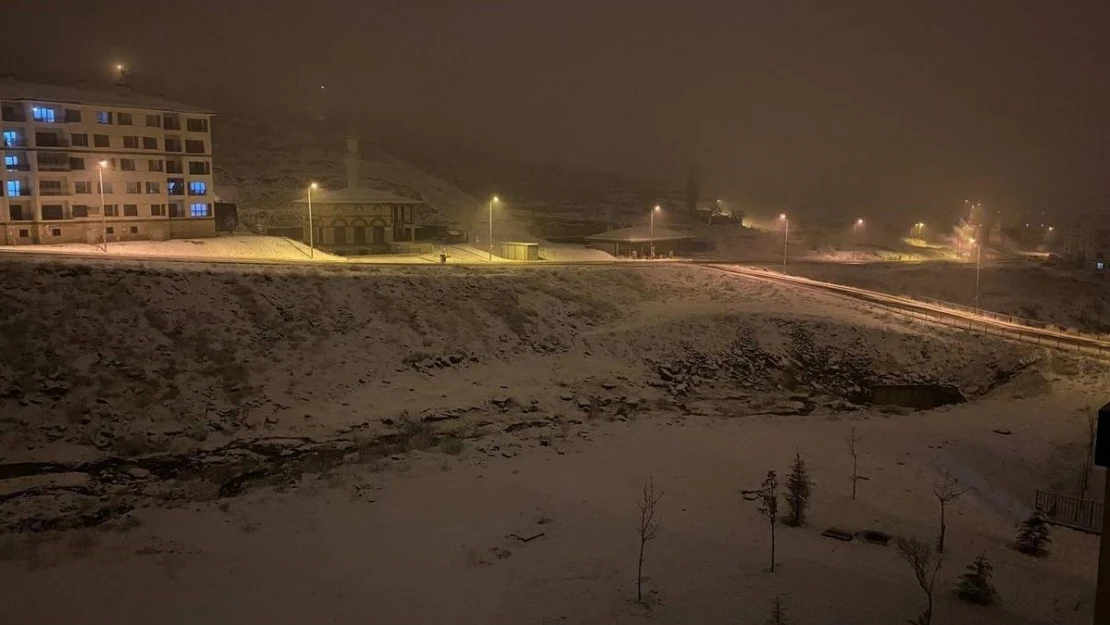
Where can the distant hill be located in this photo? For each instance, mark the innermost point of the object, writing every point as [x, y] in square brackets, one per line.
[264, 165]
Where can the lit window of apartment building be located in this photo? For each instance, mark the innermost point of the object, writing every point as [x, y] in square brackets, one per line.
[53, 140]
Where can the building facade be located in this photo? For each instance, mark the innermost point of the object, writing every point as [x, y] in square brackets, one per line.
[1087, 243]
[361, 221]
[157, 171]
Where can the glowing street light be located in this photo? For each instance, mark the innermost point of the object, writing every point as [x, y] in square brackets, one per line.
[785, 237]
[493, 200]
[978, 258]
[311, 250]
[651, 228]
[856, 227]
[100, 167]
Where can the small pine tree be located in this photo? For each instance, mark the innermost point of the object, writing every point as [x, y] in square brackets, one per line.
[778, 612]
[797, 491]
[975, 584]
[1033, 536]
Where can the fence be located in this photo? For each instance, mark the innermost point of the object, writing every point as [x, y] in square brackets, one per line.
[1081, 514]
[1073, 343]
[1008, 318]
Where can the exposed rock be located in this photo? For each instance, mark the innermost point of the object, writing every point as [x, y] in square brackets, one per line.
[137, 473]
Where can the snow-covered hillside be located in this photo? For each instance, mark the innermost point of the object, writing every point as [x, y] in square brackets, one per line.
[264, 166]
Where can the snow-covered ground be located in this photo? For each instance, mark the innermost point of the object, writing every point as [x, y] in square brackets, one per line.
[292, 444]
[267, 248]
[239, 247]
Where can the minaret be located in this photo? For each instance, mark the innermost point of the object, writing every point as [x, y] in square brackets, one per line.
[354, 159]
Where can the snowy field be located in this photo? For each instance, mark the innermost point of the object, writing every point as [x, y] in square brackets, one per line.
[311, 444]
[240, 247]
[267, 248]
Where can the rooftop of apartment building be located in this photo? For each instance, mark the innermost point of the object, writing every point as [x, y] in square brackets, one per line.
[121, 95]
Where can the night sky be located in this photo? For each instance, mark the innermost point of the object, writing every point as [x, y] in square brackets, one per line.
[847, 107]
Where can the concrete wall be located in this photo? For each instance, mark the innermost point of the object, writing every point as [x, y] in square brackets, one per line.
[92, 230]
[189, 228]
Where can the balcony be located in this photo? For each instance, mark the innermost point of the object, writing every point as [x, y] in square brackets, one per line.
[46, 140]
[53, 192]
[53, 164]
[24, 166]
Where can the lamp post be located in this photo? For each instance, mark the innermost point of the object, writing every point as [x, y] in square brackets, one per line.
[100, 166]
[651, 228]
[855, 236]
[978, 257]
[785, 237]
[493, 200]
[311, 249]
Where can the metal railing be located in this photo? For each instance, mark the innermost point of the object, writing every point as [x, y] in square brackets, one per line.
[983, 327]
[1009, 318]
[1081, 514]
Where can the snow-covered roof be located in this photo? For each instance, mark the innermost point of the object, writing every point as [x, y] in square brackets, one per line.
[717, 206]
[641, 233]
[38, 92]
[359, 196]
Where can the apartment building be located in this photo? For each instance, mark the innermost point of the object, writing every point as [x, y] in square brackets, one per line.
[155, 157]
[1087, 242]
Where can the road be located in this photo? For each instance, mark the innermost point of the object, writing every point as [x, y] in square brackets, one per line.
[936, 313]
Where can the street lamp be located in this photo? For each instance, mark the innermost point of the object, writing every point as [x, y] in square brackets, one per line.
[493, 200]
[978, 258]
[100, 167]
[785, 238]
[311, 250]
[651, 228]
[855, 235]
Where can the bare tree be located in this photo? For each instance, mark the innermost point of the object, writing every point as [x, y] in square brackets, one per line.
[768, 504]
[946, 491]
[1085, 477]
[853, 451]
[925, 564]
[649, 528]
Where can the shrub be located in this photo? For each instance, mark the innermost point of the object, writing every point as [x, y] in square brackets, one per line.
[975, 584]
[1033, 536]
